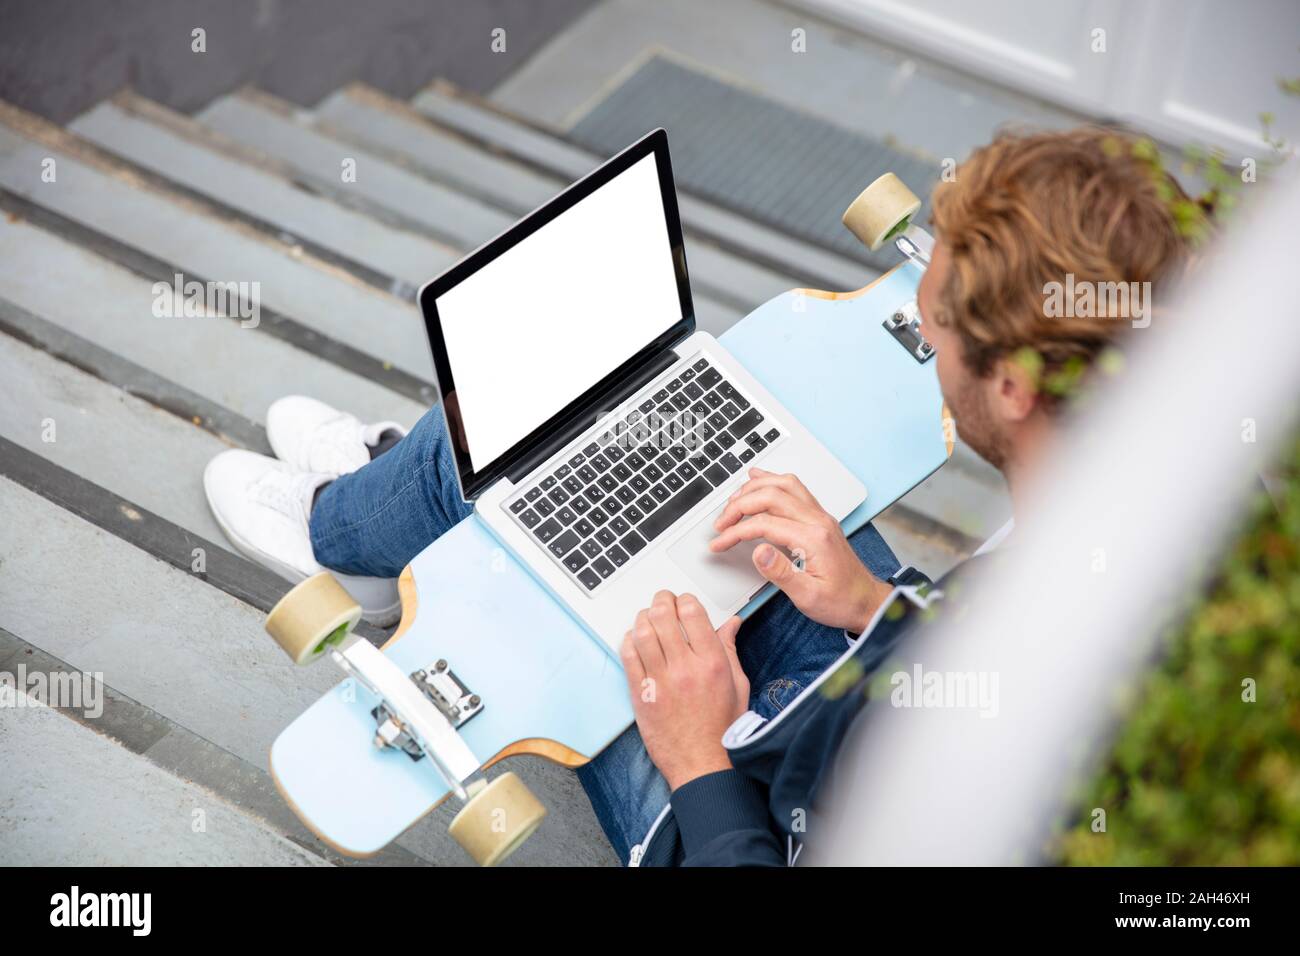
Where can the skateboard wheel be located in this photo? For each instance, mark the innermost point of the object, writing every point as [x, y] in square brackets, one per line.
[315, 615]
[881, 211]
[497, 820]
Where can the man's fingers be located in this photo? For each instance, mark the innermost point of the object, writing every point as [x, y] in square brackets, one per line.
[727, 638]
[696, 624]
[632, 665]
[663, 616]
[776, 567]
[727, 633]
[769, 499]
[646, 642]
[758, 478]
[783, 531]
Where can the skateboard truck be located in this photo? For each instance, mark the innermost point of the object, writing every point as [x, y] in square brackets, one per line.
[444, 690]
[905, 326]
[884, 211]
[917, 244]
[407, 719]
[448, 693]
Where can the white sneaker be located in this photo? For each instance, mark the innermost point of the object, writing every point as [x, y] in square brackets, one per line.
[312, 436]
[264, 505]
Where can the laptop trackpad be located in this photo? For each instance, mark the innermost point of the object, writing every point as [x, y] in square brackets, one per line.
[728, 578]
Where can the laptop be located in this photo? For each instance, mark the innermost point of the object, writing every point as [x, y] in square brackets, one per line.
[596, 431]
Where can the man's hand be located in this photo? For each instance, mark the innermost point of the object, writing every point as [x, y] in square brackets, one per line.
[686, 684]
[834, 588]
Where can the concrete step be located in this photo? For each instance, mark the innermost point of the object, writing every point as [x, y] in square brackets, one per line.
[284, 131]
[966, 495]
[161, 636]
[70, 797]
[94, 191]
[229, 366]
[261, 188]
[181, 756]
[382, 186]
[363, 115]
[485, 124]
[119, 442]
[198, 657]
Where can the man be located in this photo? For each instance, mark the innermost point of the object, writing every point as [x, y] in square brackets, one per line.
[735, 725]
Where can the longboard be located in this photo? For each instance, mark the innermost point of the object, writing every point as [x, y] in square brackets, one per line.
[485, 664]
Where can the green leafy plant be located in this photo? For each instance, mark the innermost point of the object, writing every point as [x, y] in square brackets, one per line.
[1206, 765]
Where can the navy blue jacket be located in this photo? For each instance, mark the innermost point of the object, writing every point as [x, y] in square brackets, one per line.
[745, 816]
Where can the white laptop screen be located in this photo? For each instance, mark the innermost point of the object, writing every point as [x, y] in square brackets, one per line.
[542, 323]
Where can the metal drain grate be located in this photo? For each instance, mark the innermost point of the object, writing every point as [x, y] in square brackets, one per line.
[780, 166]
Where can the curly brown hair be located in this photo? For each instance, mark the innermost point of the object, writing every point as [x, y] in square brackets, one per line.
[1027, 210]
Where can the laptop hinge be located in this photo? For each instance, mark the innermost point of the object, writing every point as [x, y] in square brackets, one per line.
[584, 419]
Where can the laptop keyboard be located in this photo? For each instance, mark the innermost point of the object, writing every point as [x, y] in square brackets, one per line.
[630, 482]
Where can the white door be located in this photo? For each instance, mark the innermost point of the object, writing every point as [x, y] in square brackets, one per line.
[1185, 70]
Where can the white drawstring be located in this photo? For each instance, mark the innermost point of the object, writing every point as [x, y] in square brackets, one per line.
[792, 850]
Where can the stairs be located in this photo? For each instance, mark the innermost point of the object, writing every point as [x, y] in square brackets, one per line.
[108, 414]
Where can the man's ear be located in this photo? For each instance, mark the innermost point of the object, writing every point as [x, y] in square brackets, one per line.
[1014, 387]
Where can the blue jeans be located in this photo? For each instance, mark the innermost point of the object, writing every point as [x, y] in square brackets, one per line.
[375, 520]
